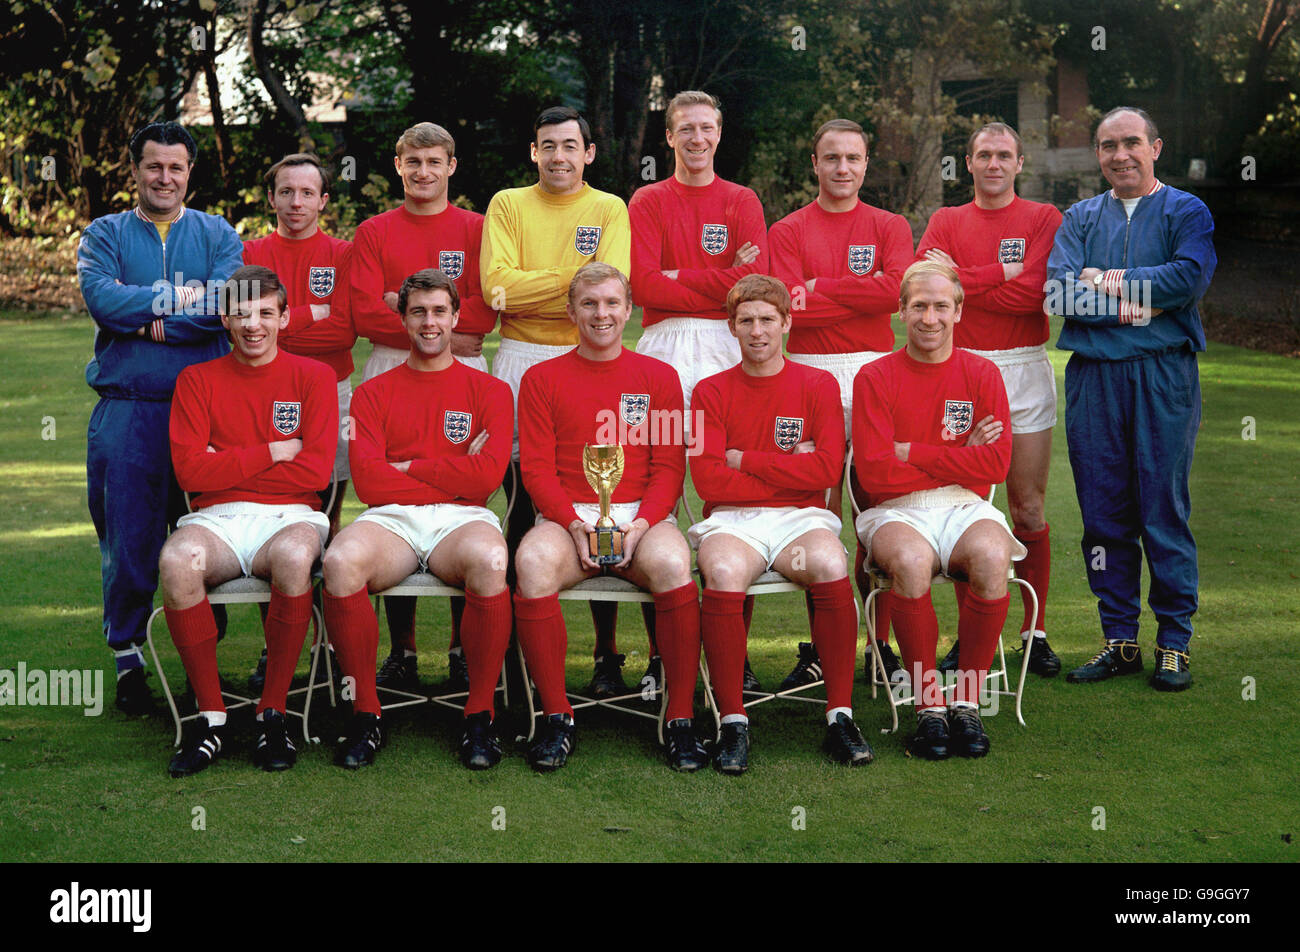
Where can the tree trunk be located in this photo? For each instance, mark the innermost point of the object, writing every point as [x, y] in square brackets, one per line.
[287, 105]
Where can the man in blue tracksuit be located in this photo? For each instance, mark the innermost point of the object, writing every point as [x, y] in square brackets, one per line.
[148, 277]
[1126, 272]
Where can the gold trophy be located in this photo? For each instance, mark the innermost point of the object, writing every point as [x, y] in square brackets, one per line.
[603, 466]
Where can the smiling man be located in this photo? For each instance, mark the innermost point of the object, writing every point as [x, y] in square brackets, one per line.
[426, 231]
[1127, 271]
[314, 268]
[534, 241]
[773, 443]
[140, 273]
[998, 244]
[579, 399]
[926, 465]
[694, 235]
[842, 259]
[431, 445]
[252, 437]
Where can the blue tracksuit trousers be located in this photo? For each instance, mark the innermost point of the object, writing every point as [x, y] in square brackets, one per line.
[1131, 427]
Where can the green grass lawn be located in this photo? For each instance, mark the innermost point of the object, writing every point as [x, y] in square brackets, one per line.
[1205, 775]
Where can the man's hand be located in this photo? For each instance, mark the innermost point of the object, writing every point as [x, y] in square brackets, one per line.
[807, 446]
[476, 445]
[402, 465]
[939, 256]
[319, 312]
[632, 533]
[578, 530]
[986, 430]
[1087, 274]
[745, 254]
[390, 298]
[466, 345]
[733, 458]
[282, 451]
[901, 450]
[1011, 270]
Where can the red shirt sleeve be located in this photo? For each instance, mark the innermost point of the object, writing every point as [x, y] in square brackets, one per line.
[972, 465]
[807, 309]
[715, 481]
[371, 317]
[476, 317]
[822, 467]
[650, 286]
[975, 279]
[1024, 293]
[197, 470]
[476, 476]
[373, 477]
[714, 283]
[880, 473]
[537, 442]
[876, 294]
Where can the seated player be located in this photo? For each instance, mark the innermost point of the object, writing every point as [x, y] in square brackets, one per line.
[252, 438]
[773, 444]
[431, 443]
[927, 467]
[601, 393]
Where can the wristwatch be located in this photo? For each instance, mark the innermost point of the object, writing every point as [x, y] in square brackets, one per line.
[1098, 279]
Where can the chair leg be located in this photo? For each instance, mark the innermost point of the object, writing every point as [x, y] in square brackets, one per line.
[529, 701]
[710, 702]
[321, 647]
[1024, 661]
[162, 676]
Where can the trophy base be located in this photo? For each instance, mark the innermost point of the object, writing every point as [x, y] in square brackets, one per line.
[605, 546]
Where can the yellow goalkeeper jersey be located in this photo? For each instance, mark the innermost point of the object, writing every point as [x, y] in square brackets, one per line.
[534, 242]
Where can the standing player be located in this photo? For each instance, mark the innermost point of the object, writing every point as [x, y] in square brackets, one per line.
[252, 437]
[425, 231]
[432, 443]
[534, 241]
[1127, 271]
[926, 466]
[143, 276]
[842, 260]
[694, 235]
[314, 269]
[601, 393]
[998, 245]
[773, 443]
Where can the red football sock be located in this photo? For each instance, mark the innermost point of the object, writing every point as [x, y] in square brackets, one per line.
[917, 630]
[1036, 569]
[457, 611]
[542, 635]
[286, 629]
[960, 589]
[978, 627]
[722, 625]
[487, 627]
[835, 633]
[677, 619]
[604, 618]
[354, 633]
[400, 611]
[194, 633]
